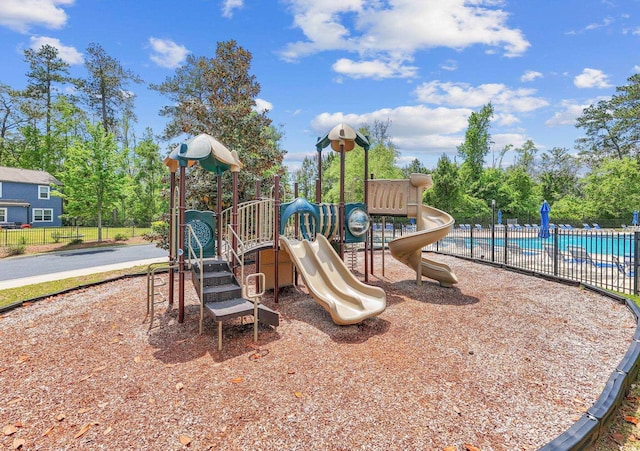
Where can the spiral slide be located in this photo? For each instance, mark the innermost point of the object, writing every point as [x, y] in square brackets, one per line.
[330, 282]
[407, 249]
[404, 198]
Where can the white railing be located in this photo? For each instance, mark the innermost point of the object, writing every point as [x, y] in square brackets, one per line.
[255, 224]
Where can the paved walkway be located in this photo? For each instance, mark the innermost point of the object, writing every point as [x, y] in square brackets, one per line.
[34, 269]
[32, 280]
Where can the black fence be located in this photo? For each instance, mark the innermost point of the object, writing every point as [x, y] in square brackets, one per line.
[604, 258]
[51, 235]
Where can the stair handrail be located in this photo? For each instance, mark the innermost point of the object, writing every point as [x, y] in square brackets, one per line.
[200, 259]
[256, 298]
[234, 257]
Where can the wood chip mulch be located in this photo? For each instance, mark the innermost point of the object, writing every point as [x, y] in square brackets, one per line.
[502, 361]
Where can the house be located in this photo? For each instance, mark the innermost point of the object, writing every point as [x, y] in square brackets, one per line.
[25, 198]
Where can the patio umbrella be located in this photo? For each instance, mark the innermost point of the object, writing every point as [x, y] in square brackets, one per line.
[544, 220]
[635, 218]
[499, 216]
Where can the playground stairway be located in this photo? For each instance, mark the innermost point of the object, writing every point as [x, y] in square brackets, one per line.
[222, 294]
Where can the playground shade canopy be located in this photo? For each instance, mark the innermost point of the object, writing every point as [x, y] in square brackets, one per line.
[209, 152]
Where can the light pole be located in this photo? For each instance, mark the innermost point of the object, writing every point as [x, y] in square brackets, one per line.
[493, 230]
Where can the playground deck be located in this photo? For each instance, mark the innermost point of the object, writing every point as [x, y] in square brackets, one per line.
[501, 361]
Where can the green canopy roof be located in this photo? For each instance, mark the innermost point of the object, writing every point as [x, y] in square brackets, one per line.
[210, 153]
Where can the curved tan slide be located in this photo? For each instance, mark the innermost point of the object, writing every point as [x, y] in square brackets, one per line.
[330, 282]
[435, 225]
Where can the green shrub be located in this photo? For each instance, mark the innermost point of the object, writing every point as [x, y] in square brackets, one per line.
[159, 234]
[16, 249]
[75, 241]
[121, 237]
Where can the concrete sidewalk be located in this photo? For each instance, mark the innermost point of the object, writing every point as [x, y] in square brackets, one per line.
[24, 281]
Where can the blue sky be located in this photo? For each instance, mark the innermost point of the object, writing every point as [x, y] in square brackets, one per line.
[423, 65]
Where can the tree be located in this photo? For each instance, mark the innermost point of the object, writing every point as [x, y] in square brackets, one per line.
[11, 119]
[476, 145]
[604, 137]
[558, 176]
[446, 193]
[47, 71]
[217, 96]
[612, 189]
[306, 177]
[92, 176]
[106, 90]
[612, 126]
[149, 170]
[525, 157]
[415, 167]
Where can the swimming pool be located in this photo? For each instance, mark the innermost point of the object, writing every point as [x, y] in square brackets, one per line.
[620, 244]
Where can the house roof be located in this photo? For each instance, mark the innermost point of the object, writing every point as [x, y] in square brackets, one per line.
[27, 176]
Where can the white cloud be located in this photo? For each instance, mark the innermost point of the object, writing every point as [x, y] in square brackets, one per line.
[66, 53]
[505, 119]
[21, 15]
[263, 105]
[502, 98]
[167, 53]
[592, 78]
[417, 129]
[567, 115]
[395, 31]
[376, 69]
[605, 23]
[229, 5]
[449, 65]
[530, 75]
[636, 68]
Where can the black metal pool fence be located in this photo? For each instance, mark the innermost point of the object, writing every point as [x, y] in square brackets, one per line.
[605, 258]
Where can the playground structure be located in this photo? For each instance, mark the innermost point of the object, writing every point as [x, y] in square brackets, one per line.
[290, 239]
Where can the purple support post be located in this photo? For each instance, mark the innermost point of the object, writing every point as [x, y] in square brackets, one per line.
[319, 179]
[366, 204]
[276, 236]
[172, 244]
[181, 227]
[234, 211]
[296, 228]
[341, 204]
[219, 230]
[371, 238]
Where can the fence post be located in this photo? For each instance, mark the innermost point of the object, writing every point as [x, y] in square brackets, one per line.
[504, 249]
[555, 251]
[636, 250]
[471, 240]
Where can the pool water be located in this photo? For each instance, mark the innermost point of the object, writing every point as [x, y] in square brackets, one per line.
[607, 244]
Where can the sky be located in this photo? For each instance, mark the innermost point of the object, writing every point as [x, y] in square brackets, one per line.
[422, 65]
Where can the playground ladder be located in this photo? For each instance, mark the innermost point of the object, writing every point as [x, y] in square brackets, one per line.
[352, 255]
[154, 282]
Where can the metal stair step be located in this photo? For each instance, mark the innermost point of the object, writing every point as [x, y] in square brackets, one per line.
[217, 293]
[213, 264]
[211, 278]
[230, 308]
[236, 307]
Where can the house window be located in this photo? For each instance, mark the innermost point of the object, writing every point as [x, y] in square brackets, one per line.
[42, 214]
[3, 215]
[43, 192]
